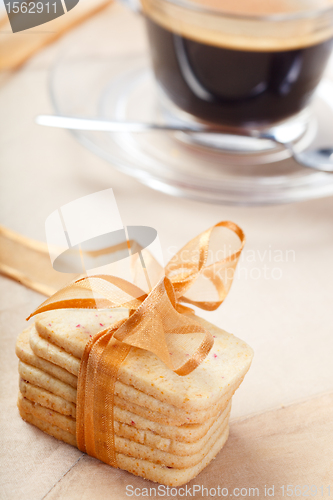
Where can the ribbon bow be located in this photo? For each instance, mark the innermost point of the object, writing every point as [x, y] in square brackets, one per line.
[157, 322]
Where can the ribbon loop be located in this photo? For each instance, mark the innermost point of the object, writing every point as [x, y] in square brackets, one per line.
[205, 266]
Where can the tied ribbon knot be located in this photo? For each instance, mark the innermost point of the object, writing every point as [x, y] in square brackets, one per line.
[157, 322]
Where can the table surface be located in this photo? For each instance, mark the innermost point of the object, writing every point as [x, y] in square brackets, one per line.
[280, 302]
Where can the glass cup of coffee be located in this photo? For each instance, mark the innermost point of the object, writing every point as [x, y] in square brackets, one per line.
[240, 64]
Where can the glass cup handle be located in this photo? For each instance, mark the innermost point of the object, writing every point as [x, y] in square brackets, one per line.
[134, 5]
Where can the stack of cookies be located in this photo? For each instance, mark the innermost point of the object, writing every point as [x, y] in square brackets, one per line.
[167, 427]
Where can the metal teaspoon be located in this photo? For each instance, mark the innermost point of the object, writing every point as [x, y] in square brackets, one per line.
[318, 159]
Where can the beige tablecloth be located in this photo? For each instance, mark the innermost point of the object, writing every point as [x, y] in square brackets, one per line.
[280, 302]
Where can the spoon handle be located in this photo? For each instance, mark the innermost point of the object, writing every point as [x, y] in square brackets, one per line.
[90, 124]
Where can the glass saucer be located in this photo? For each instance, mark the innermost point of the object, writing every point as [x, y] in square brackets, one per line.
[236, 172]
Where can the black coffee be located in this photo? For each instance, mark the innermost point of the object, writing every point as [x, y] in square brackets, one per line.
[235, 87]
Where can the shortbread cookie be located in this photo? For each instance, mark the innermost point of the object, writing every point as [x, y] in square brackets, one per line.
[37, 377]
[41, 379]
[225, 365]
[50, 429]
[25, 354]
[123, 445]
[72, 328]
[131, 399]
[48, 400]
[66, 423]
[142, 468]
[56, 355]
[185, 433]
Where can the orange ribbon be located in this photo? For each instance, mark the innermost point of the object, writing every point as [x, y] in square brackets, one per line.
[157, 322]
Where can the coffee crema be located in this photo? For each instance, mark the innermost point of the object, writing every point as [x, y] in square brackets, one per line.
[215, 71]
[246, 32]
[264, 7]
